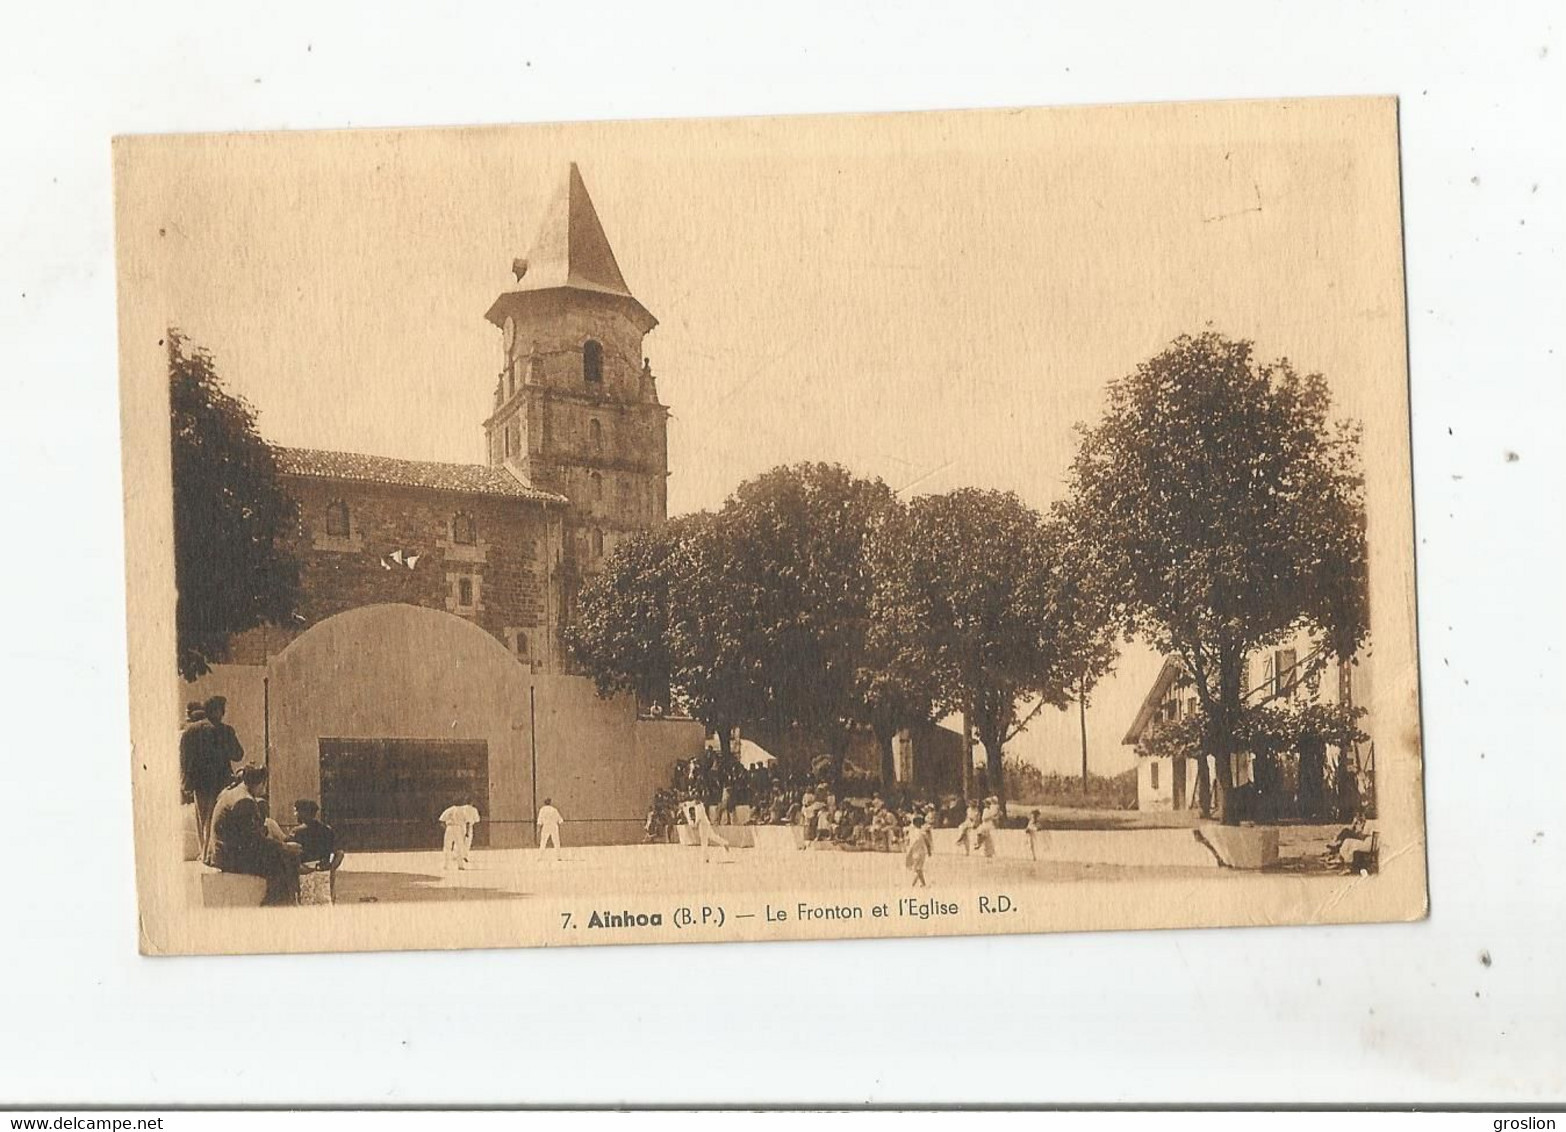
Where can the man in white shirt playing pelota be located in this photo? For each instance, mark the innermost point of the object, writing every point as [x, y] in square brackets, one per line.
[549, 820]
[697, 818]
[459, 821]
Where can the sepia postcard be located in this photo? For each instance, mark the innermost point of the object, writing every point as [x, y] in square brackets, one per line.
[769, 529]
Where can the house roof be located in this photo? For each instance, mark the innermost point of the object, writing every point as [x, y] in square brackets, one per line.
[467, 479]
[1167, 675]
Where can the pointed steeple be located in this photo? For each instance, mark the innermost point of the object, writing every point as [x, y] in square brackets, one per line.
[569, 253]
[571, 249]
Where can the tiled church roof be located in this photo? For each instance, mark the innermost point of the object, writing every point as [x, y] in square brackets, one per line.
[470, 479]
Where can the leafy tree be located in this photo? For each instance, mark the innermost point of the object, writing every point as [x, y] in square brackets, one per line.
[717, 673]
[1226, 512]
[798, 541]
[756, 614]
[968, 591]
[621, 634]
[665, 620]
[232, 520]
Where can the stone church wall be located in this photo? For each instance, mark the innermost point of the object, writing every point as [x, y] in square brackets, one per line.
[508, 567]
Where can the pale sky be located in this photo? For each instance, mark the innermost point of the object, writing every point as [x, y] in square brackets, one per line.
[932, 299]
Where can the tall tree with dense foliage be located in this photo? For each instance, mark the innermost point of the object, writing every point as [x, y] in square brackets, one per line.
[621, 634]
[800, 539]
[666, 620]
[1226, 509]
[968, 591]
[232, 519]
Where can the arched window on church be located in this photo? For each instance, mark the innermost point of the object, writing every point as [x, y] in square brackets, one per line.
[595, 436]
[464, 531]
[598, 486]
[592, 361]
[511, 440]
[337, 524]
[598, 543]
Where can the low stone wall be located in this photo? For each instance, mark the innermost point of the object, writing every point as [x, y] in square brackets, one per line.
[1127, 847]
[738, 836]
[1134, 848]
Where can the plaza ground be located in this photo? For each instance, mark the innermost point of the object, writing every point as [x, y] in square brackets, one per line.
[519, 874]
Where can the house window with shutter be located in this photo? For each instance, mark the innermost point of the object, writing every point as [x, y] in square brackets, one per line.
[1285, 678]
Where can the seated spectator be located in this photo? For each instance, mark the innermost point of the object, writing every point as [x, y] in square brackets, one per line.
[1350, 840]
[314, 837]
[240, 843]
[844, 824]
[826, 820]
[885, 829]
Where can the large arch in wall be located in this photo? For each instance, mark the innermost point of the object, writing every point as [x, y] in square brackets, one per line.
[405, 687]
[405, 699]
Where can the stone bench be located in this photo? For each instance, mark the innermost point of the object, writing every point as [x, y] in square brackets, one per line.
[1243, 846]
[190, 840]
[212, 888]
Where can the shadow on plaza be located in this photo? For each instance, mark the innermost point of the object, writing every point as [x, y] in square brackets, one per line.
[355, 887]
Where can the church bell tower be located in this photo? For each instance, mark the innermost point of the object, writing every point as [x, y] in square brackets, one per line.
[576, 409]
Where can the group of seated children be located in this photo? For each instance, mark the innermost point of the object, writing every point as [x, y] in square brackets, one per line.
[851, 825]
[825, 819]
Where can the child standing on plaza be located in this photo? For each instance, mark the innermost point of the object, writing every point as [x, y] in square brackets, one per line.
[1035, 830]
[920, 845]
[697, 818]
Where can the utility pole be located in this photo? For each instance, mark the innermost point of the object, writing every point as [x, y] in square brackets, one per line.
[967, 757]
[1082, 711]
[532, 740]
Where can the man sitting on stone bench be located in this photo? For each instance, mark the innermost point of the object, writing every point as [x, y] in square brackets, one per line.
[240, 843]
[1354, 846]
